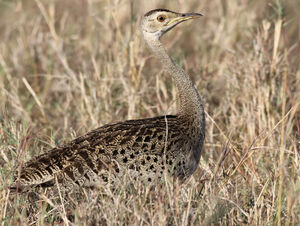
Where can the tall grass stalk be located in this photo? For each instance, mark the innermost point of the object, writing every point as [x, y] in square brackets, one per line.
[67, 67]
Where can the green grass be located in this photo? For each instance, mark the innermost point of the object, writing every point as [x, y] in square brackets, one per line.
[67, 67]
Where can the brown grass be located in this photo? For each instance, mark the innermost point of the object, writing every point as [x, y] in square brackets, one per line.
[67, 67]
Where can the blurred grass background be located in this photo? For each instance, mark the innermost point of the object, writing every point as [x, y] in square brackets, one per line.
[67, 67]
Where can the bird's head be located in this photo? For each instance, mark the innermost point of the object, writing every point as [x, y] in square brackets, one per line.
[158, 21]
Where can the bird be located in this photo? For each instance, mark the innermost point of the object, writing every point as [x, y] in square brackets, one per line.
[144, 148]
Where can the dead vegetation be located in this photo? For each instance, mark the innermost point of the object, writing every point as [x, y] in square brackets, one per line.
[67, 67]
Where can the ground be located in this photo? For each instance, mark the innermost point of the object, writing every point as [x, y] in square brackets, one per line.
[67, 67]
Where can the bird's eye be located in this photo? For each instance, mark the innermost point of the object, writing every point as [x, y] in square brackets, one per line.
[161, 18]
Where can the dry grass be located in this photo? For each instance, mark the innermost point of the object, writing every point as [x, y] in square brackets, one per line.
[67, 67]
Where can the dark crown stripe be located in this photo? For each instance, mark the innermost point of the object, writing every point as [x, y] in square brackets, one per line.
[158, 10]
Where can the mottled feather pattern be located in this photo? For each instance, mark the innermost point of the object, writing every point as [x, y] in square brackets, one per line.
[136, 145]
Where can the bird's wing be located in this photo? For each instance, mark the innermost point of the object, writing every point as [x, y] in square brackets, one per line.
[126, 142]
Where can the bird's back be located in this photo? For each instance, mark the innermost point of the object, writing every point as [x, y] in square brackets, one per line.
[144, 148]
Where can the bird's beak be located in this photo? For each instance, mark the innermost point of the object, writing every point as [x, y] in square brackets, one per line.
[183, 17]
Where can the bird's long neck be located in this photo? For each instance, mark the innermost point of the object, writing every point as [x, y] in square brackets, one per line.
[190, 101]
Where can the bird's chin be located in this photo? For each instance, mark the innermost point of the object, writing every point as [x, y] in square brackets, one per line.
[164, 31]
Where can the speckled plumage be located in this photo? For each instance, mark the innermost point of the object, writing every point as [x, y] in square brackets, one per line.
[143, 148]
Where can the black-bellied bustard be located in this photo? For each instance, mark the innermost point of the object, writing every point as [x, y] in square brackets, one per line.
[145, 148]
